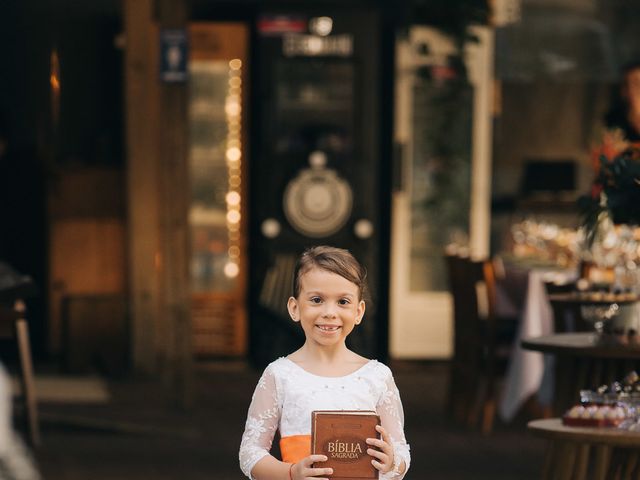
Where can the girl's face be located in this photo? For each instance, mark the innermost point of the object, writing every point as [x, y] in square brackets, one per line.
[328, 307]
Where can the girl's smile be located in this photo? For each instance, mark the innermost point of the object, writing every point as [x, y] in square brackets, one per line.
[329, 329]
[328, 307]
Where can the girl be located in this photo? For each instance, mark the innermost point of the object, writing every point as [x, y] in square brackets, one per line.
[327, 301]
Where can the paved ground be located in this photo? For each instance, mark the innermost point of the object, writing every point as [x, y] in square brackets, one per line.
[139, 435]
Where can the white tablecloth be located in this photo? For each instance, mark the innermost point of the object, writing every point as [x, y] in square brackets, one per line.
[531, 372]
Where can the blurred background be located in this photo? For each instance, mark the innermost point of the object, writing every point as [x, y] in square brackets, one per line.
[163, 163]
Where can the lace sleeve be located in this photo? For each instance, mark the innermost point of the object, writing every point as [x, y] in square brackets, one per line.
[392, 418]
[262, 423]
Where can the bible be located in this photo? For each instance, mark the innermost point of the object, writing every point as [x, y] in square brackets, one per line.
[341, 436]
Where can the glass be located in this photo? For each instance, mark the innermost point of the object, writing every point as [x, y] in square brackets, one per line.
[212, 113]
[556, 53]
[440, 180]
[314, 108]
[599, 314]
[589, 397]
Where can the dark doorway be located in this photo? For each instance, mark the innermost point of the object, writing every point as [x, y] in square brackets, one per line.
[316, 163]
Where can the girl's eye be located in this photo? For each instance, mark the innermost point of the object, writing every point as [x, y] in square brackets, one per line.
[316, 299]
[343, 301]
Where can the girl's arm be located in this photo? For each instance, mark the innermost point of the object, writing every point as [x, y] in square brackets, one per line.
[269, 468]
[392, 419]
[262, 422]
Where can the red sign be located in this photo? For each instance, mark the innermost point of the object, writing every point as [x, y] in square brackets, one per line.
[281, 24]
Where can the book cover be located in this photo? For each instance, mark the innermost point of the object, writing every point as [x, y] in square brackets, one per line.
[341, 436]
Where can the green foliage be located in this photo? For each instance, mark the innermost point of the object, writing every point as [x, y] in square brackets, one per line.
[615, 191]
[443, 140]
[446, 135]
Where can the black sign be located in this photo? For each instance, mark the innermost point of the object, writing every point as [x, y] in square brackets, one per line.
[173, 55]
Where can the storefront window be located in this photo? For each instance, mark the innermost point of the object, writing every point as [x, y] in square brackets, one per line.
[215, 156]
[557, 69]
[440, 180]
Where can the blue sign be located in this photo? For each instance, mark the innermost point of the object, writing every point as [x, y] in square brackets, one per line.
[173, 55]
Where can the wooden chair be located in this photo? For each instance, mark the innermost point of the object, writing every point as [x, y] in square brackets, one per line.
[567, 316]
[499, 334]
[465, 339]
[13, 322]
[474, 374]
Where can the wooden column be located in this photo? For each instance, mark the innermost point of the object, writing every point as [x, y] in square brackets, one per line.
[142, 134]
[157, 201]
[174, 228]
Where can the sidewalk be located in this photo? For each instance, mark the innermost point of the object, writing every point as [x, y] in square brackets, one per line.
[137, 434]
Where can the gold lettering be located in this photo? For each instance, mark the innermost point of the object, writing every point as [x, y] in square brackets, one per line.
[344, 450]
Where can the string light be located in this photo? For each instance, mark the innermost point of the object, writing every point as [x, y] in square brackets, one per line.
[233, 198]
[233, 216]
[231, 269]
[233, 154]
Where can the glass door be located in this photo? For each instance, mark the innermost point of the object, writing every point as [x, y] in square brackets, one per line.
[217, 74]
[316, 164]
[442, 189]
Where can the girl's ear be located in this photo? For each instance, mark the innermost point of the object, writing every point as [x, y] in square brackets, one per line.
[294, 311]
[360, 312]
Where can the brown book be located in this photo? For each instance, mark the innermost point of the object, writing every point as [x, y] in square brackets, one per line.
[341, 436]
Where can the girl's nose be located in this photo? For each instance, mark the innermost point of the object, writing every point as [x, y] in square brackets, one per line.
[329, 311]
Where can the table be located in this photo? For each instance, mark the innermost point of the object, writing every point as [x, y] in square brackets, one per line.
[573, 298]
[584, 344]
[616, 312]
[575, 452]
[583, 362]
[528, 372]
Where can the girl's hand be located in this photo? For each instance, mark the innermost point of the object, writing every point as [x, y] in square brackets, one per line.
[303, 470]
[383, 458]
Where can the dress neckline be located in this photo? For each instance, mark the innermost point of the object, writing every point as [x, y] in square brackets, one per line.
[369, 362]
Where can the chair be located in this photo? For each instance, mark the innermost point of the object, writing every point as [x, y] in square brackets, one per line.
[478, 343]
[464, 350]
[499, 334]
[13, 323]
[16, 316]
[566, 315]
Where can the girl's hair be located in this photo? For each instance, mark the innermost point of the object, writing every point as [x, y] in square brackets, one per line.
[334, 260]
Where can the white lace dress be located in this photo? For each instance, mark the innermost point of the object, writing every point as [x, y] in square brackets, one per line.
[286, 395]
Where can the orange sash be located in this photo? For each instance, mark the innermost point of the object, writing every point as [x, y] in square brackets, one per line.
[295, 447]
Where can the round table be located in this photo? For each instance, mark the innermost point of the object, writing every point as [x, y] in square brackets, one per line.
[568, 315]
[593, 299]
[574, 452]
[581, 362]
[583, 344]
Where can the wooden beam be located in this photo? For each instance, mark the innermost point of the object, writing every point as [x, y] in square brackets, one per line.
[157, 185]
[142, 133]
[174, 227]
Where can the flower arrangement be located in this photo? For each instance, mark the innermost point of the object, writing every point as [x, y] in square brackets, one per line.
[615, 192]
